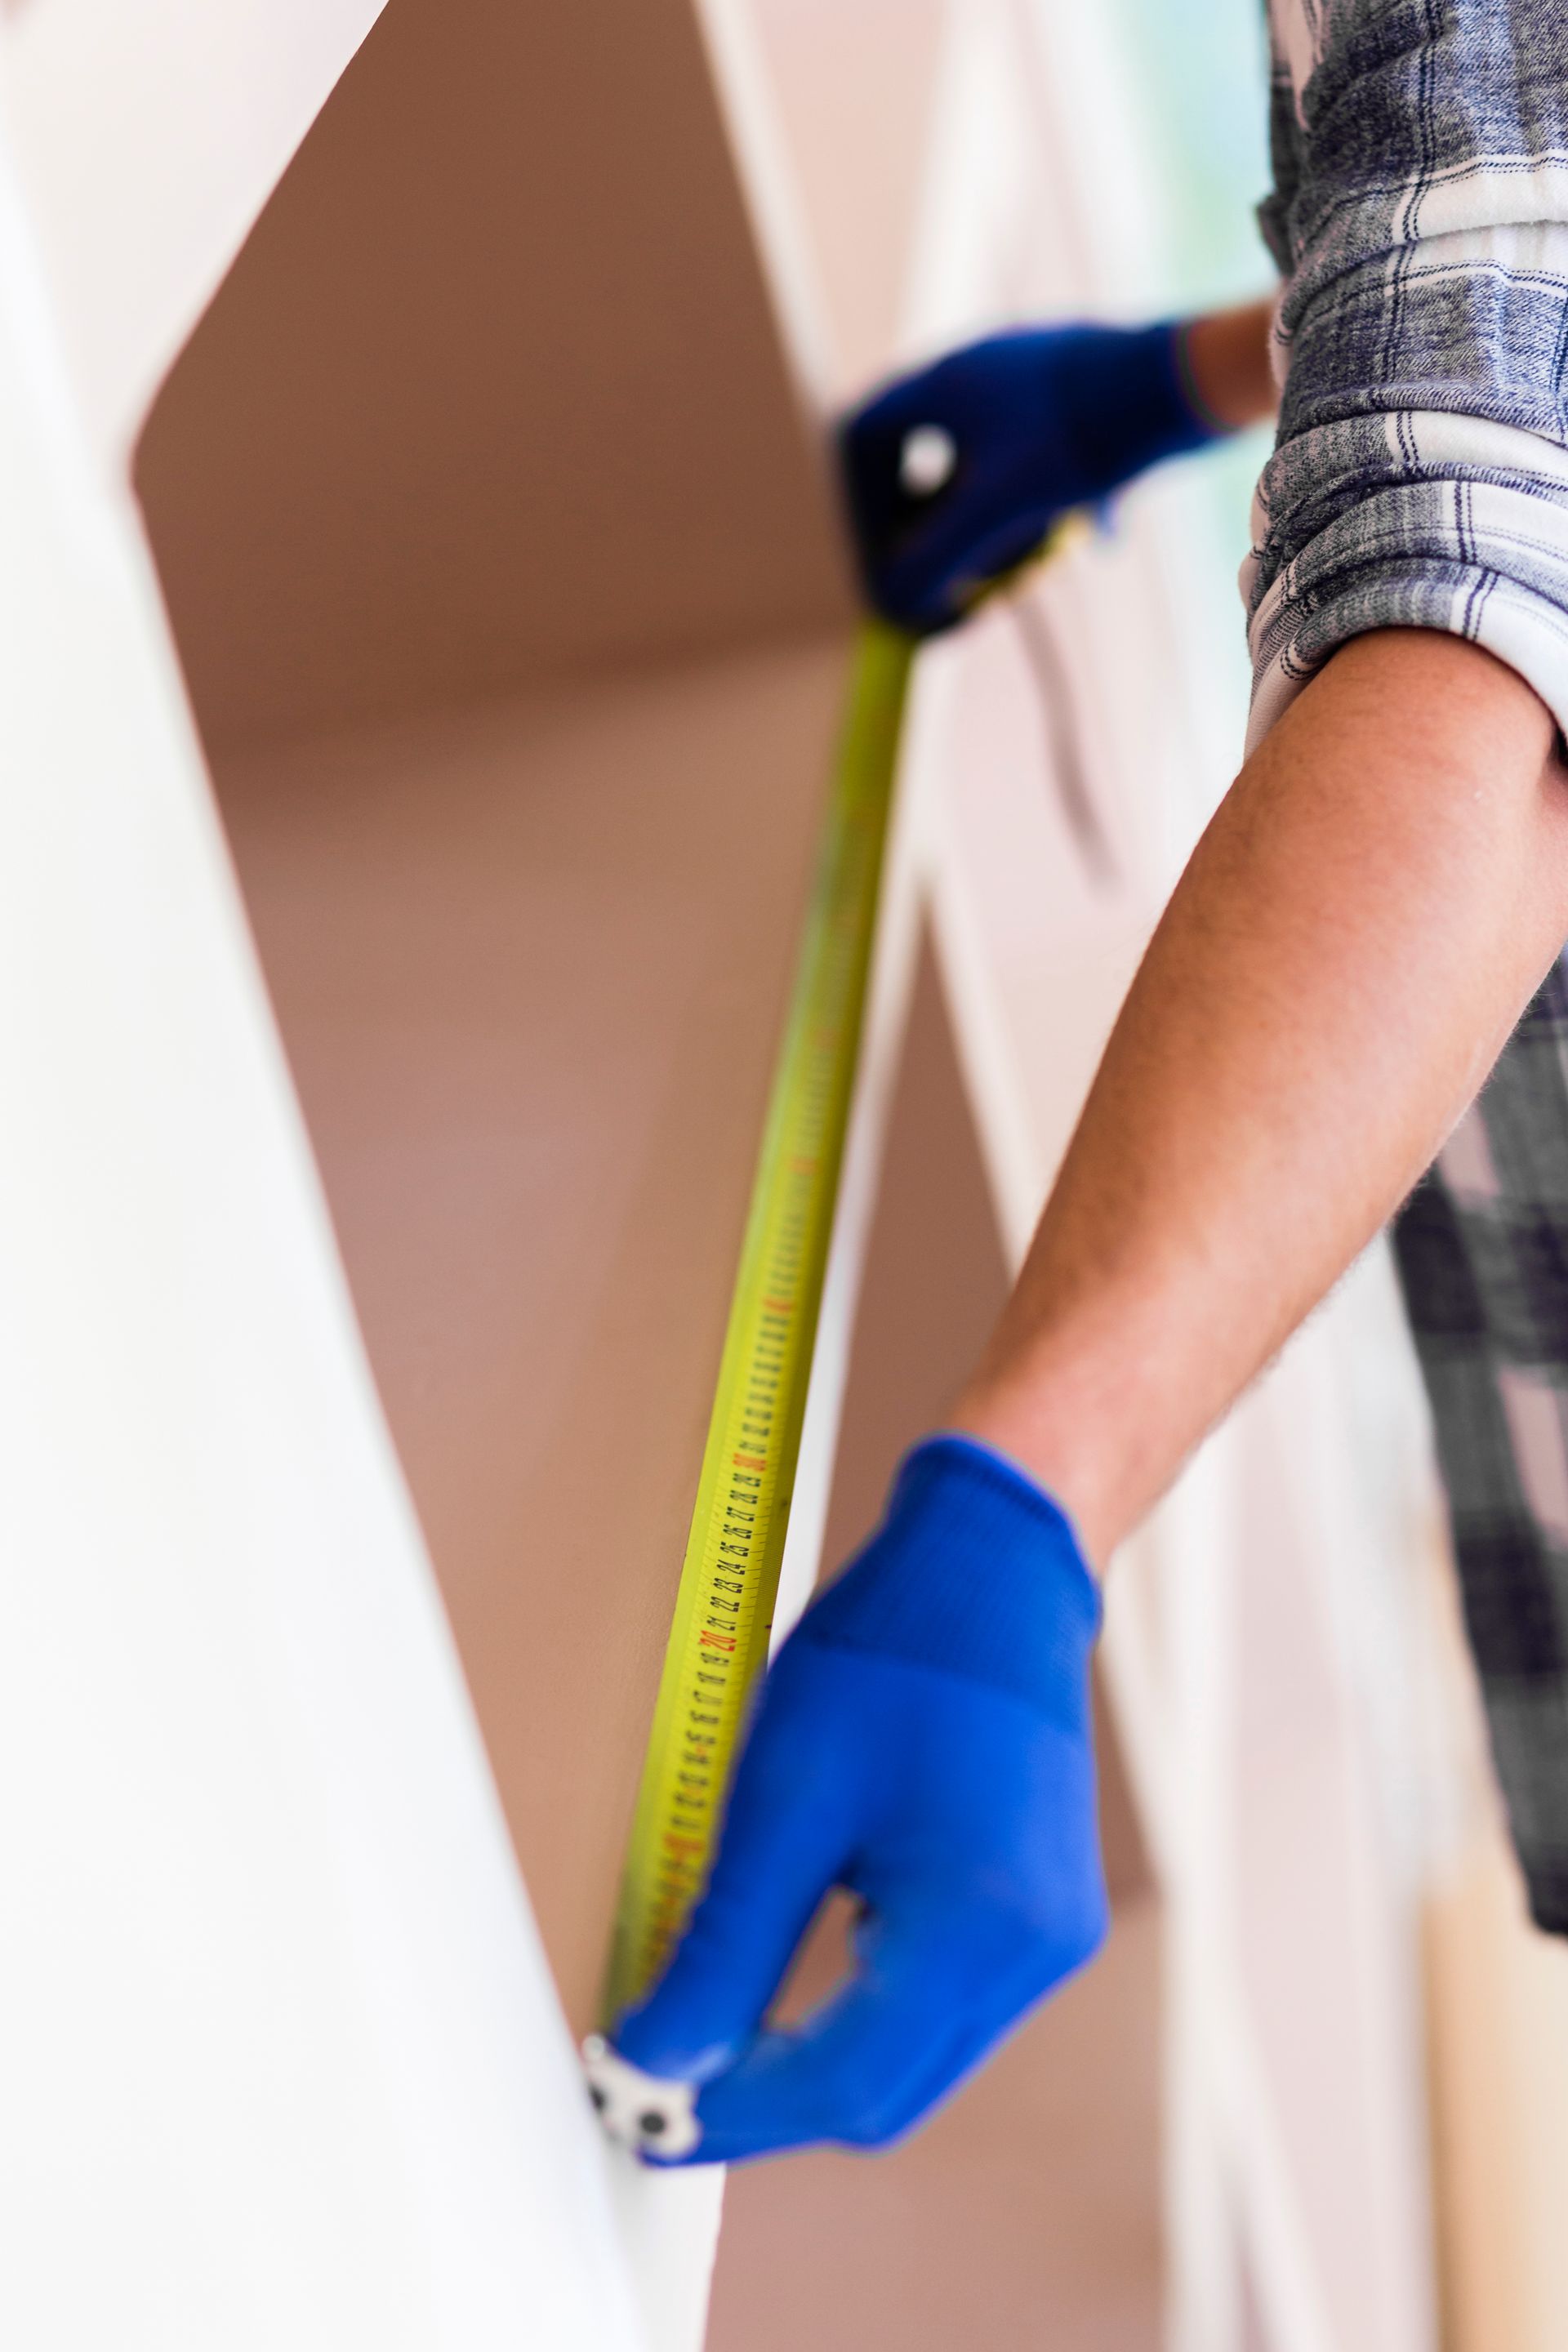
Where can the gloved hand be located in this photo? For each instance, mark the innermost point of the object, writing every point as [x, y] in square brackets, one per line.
[955, 474]
[923, 1739]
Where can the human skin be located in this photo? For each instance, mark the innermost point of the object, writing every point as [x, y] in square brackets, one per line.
[1379, 895]
[1227, 364]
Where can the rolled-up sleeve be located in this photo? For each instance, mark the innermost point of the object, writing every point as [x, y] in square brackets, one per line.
[1420, 216]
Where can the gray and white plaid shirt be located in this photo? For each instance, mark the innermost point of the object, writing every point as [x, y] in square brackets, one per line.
[1420, 479]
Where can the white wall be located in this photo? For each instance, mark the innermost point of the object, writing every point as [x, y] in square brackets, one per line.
[148, 135]
[279, 2061]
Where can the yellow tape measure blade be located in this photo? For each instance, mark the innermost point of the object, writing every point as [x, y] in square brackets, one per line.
[728, 1580]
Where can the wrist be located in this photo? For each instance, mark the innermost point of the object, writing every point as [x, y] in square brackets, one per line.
[1056, 1441]
[1223, 358]
[975, 1572]
[1127, 400]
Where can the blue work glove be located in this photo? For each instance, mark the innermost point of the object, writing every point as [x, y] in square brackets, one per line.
[954, 475]
[923, 1739]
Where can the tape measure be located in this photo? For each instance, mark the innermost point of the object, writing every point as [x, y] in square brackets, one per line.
[729, 1581]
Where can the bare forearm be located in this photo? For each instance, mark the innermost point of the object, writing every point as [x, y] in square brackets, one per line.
[1376, 899]
[1227, 361]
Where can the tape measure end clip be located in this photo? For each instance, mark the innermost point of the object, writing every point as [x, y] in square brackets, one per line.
[639, 2111]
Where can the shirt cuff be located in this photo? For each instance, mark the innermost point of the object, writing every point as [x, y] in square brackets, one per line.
[1471, 553]
[1420, 479]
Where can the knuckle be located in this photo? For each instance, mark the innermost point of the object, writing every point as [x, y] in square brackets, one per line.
[887, 2118]
[866, 2116]
[1046, 1945]
[870, 2133]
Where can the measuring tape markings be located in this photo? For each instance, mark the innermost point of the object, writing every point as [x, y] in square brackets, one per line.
[729, 1579]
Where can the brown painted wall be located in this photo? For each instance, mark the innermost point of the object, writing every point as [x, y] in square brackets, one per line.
[529, 965]
[494, 389]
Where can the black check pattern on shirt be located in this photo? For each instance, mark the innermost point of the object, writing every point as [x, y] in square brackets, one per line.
[1484, 1269]
[1419, 478]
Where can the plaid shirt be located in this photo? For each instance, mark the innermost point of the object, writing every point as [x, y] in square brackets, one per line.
[1420, 477]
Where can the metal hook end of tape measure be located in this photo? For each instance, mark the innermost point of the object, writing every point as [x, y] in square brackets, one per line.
[640, 2111]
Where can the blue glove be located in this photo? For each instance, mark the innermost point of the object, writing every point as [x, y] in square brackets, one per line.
[954, 475]
[923, 1739]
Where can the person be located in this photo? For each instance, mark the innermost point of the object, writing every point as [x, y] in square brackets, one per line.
[1374, 916]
